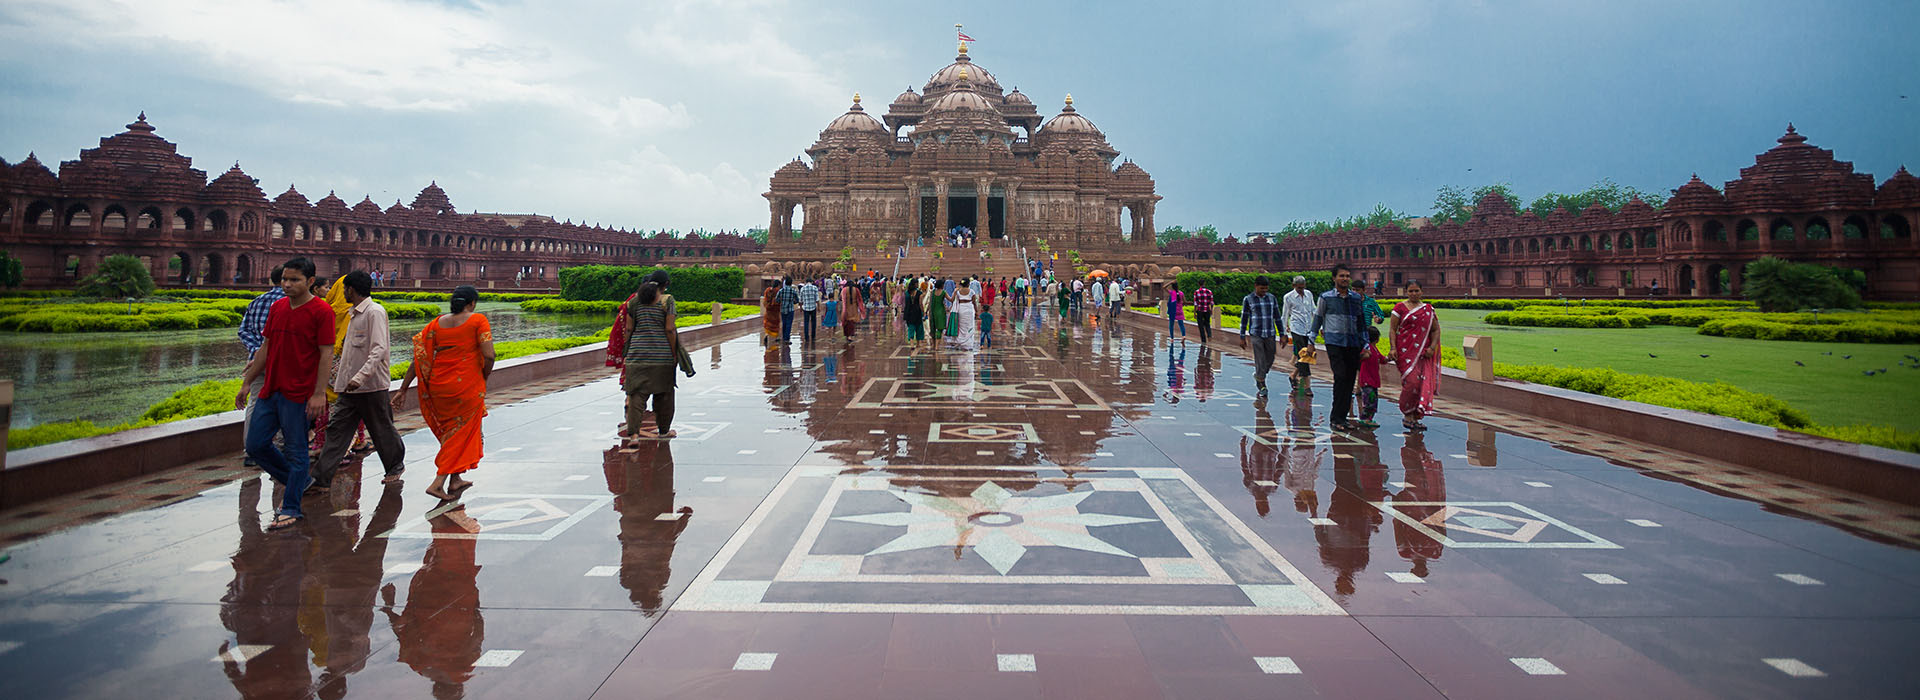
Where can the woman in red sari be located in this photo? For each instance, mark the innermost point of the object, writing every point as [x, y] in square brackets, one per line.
[452, 356]
[1415, 349]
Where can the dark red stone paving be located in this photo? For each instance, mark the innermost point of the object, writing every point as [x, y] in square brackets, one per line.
[1084, 513]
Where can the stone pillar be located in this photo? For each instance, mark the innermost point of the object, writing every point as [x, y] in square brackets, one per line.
[6, 417]
[773, 223]
[912, 231]
[717, 310]
[1008, 208]
[1478, 352]
[940, 215]
[983, 223]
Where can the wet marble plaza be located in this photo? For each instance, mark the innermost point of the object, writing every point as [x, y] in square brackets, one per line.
[1082, 511]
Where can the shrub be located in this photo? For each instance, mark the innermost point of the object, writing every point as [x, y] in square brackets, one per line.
[1718, 398]
[442, 297]
[12, 271]
[202, 399]
[614, 283]
[1522, 318]
[1883, 436]
[1778, 285]
[1845, 332]
[1232, 286]
[395, 310]
[118, 276]
[207, 293]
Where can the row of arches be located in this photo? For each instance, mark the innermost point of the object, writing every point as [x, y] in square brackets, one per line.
[1814, 230]
[43, 216]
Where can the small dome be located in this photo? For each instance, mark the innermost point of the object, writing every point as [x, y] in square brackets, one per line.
[908, 98]
[1018, 98]
[1069, 122]
[961, 101]
[856, 119]
[947, 77]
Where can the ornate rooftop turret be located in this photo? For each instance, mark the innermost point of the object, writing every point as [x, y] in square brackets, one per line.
[366, 206]
[1901, 190]
[1796, 175]
[291, 198]
[946, 79]
[233, 187]
[433, 200]
[331, 203]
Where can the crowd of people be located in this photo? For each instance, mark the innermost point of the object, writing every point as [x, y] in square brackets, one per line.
[317, 384]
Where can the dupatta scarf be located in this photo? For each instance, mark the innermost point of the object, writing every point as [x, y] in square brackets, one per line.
[1418, 372]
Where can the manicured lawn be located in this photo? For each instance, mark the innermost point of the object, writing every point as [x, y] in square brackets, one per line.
[1831, 389]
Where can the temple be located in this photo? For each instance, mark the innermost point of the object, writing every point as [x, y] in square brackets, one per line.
[962, 152]
[136, 195]
[1795, 202]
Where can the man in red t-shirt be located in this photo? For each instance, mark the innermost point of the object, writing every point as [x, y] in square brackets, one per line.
[294, 361]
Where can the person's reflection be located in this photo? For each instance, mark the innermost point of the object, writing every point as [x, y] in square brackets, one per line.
[832, 365]
[641, 482]
[714, 358]
[1344, 544]
[1203, 376]
[1176, 373]
[1426, 483]
[261, 608]
[352, 566]
[1301, 457]
[441, 631]
[1260, 470]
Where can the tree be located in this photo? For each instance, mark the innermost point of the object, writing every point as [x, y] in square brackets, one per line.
[1451, 203]
[12, 271]
[1778, 285]
[118, 276]
[1171, 234]
[1605, 192]
[759, 235]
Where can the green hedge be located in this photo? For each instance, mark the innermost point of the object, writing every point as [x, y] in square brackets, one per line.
[159, 314]
[1233, 286]
[614, 283]
[560, 306]
[1718, 398]
[1846, 332]
[1522, 318]
[443, 297]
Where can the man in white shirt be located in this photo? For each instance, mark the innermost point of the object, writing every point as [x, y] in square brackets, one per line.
[361, 379]
[1297, 309]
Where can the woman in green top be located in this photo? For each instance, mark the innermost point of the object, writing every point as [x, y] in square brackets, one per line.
[1064, 297]
[937, 311]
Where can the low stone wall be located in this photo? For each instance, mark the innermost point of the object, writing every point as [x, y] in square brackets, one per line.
[39, 473]
[1875, 471]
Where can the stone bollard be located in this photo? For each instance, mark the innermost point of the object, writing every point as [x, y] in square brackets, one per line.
[1216, 318]
[1481, 451]
[1478, 350]
[6, 417]
[717, 309]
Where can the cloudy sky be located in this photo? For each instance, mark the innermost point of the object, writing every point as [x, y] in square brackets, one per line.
[1248, 114]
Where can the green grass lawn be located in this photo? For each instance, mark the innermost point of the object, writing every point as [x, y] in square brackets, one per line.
[1831, 389]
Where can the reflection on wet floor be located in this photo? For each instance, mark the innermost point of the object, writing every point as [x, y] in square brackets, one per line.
[1085, 510]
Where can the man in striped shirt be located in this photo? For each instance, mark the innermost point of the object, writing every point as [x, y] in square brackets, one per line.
[809, 309]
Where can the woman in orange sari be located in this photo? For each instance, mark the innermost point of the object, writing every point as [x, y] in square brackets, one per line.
[452, 356]
[770, 314]
[1415, 350]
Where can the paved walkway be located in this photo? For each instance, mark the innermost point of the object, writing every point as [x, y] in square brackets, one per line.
[1081, 512]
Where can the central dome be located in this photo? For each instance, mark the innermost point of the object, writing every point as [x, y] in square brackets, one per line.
[946, 78]
[856, 119]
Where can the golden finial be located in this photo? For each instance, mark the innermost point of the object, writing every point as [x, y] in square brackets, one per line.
[963, 73]
[1069, 99]
[963, 48]
[856, 98]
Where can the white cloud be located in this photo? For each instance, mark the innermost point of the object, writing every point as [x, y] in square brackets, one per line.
[675, 195]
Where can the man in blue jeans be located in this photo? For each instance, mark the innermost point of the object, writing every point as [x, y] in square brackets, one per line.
[1340, 319]
[788, 299]
[809, 308]
[294, 360]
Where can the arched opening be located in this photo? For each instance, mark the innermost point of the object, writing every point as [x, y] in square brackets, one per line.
[40, 215]
[438, 270]
[1586, 242]
[243, 269]
[210, 271]
[342, 266]
[1626, 241]
[249, 224]
[359, 235]
[1566, 243]
[114, 220]
[1686, 280]
[183, 220]
[1747, 230]
[1895, 226]
[1817, 230]
[1503, 246]
[1606, 242]
[6, 213]
[277, 229]
[216, 223]
[1780, 230]
[1533, 246]
[1487, 278]
[1649, 239]
[1546, 245]
[1854, 228]
[148, 221]
[1681, 231]
[79, 218]
[1718, 279]
[1714, 231]
[180, 269]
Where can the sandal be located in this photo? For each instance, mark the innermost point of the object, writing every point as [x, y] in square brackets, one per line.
[282, 522]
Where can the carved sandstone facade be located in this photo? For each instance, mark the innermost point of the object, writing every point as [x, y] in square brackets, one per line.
[962, 152]
[136, 195]
[1795, 202]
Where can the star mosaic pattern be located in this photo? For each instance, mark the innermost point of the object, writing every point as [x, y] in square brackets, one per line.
[999, 540]
[891, 392]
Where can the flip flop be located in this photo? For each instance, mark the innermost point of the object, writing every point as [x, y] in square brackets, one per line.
[282, 522]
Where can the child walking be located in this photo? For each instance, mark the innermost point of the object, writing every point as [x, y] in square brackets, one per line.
[986, 326]
[1369, 378]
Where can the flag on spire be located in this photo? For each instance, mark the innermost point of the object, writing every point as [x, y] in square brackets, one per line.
[964, 37]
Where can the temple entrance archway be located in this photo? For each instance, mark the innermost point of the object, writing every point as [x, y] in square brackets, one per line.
[210, 272]
[963, 211]
[1687, 283]
[243, 269]
[1719, 281]
[180, 268]
[997, 217]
